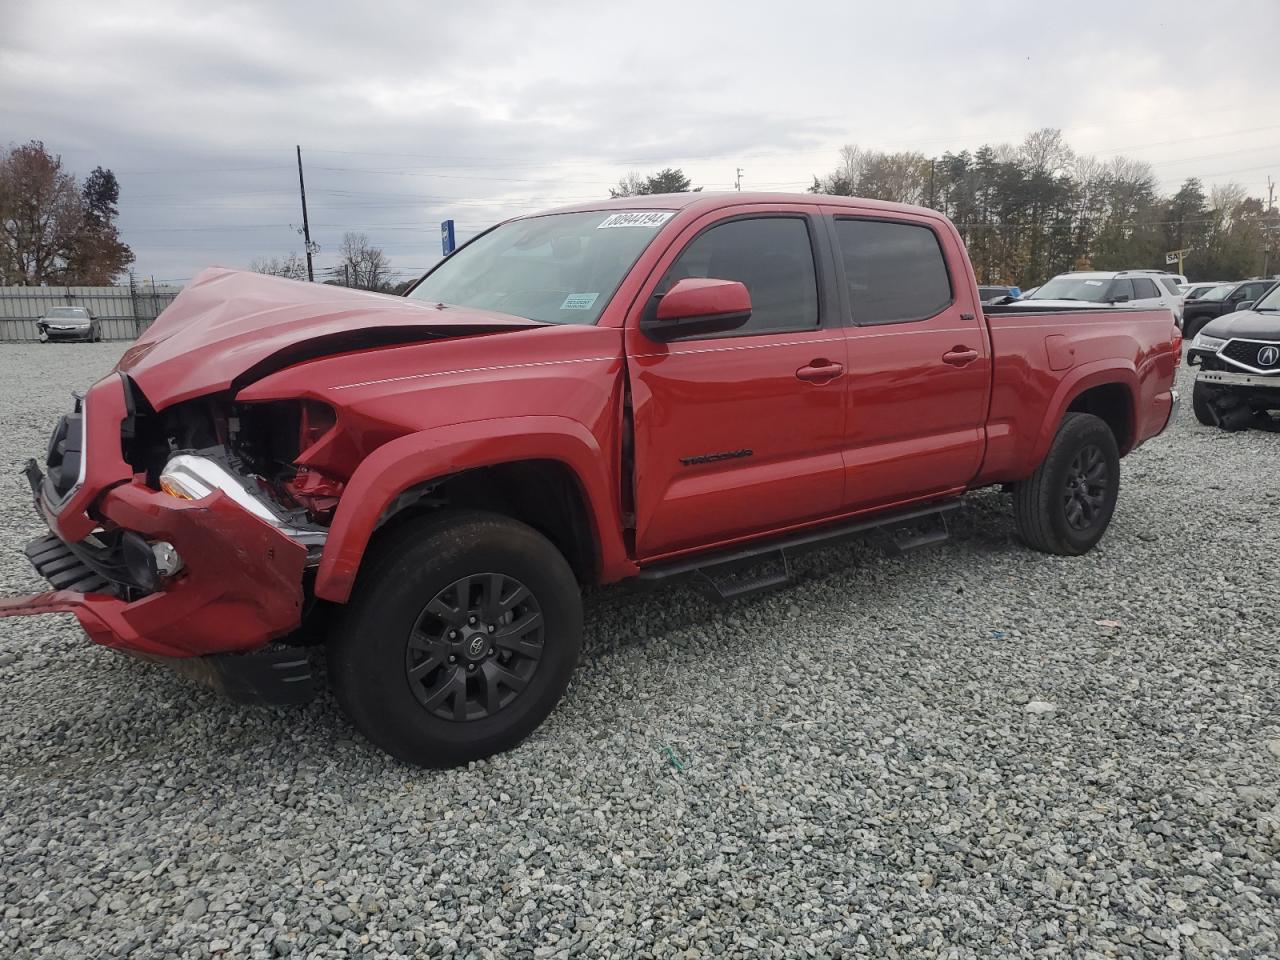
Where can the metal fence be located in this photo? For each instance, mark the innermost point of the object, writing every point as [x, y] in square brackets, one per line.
[123, 312]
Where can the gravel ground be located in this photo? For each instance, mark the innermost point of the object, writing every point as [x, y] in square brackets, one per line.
[969, 751]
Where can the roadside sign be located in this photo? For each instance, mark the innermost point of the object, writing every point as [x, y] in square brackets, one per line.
[447, 239]
[1175, 256]
[1170, 258]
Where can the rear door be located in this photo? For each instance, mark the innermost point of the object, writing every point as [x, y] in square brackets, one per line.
[919, 362]
[1147, 296]
[740, 434]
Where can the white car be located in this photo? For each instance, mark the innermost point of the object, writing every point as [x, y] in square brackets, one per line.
[1148, 289]
[1194, 291]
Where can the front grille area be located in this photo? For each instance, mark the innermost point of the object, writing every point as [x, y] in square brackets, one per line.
[59, 564]
[1247, 352]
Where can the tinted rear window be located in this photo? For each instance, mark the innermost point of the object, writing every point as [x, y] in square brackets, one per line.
[895, 271]
[1144, 289]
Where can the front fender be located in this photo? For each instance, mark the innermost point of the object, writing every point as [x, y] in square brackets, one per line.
[418, 457]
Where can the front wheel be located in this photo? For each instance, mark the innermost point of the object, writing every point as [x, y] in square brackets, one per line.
[460, 638]
[1066, 505]
[1202, 398]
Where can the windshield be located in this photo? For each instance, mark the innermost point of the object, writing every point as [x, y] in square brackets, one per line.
[560, 268]
[69, 313]
[1072, 288]
[1270, 301]
[1217, 293]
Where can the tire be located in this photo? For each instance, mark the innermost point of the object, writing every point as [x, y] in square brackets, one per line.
[1066, 505]
[426, 579]
[1201, 397]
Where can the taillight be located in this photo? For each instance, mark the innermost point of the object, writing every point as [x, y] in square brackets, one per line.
[1177, 346]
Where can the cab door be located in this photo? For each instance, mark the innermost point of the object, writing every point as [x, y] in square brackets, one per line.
[739, 434]
[919, 359]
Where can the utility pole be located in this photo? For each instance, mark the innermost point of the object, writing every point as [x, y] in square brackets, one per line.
[737, 180]
[306, 226]
[1266, 240]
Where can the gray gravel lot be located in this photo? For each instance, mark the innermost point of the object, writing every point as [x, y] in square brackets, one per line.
[845, 767]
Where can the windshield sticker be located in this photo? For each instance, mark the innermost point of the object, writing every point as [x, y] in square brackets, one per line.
[579, 301]
[637, 218]
[1093, 283]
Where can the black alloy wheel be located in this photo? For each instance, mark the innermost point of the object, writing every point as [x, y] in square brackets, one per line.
[1066, 505]
[460, 637]
[475, 647]
[1085, 496]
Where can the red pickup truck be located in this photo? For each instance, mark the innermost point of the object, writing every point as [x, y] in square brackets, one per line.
[634, 389]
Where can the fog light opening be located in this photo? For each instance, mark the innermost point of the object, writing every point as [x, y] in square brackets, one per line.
[168, 561]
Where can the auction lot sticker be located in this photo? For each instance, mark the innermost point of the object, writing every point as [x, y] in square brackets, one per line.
[637, 218]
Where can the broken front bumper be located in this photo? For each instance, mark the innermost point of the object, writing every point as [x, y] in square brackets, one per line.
[240, 587]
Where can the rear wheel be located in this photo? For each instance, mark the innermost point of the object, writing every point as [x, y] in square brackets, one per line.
[1066, 505]
[1201, 404]
[461, 637]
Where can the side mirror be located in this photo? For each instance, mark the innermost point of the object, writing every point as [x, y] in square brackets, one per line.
[699, 307]
[1244, 304]
[1123, 298]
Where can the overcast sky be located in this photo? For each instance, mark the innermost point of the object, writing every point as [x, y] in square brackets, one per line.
[408, 113]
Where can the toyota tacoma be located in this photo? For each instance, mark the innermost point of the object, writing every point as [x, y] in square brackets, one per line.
[642, 389]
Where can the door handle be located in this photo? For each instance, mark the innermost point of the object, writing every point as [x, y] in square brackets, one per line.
[958, 356]
[820, 371]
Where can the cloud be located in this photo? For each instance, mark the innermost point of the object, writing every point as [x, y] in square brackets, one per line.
[410, 112]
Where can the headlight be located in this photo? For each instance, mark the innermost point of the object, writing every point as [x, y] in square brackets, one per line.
[1203, 342]
[189, 477]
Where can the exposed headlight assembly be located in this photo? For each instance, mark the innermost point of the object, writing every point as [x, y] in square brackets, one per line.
[189, 477]
[1202, 342]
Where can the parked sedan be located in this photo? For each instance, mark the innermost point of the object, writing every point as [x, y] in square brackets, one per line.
[69, 323]
[1194, 291]
[1220, 300]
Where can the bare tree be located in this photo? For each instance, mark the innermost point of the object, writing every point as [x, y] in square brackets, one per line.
[41, 216]
[666, 180]
[1044, 151]
[364, 265]
[292, 267]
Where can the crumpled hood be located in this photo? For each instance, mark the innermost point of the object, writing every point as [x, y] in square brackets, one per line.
[1246, 324]
[230, 327]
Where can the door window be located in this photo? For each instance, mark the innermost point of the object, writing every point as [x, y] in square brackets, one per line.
[1144, 289]
[895, 271]
[1120, 288]
[1171, 285]
[772, 256]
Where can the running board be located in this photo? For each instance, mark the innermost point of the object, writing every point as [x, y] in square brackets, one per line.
[716, 571]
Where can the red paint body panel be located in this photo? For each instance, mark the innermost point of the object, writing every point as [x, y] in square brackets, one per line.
[241, 588]
[226, 322]
[676, 448]
[104, 464]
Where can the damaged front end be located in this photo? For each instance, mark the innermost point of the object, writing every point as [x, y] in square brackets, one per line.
[187, 535]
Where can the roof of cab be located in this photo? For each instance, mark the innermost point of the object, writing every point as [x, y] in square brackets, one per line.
[705, 202]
